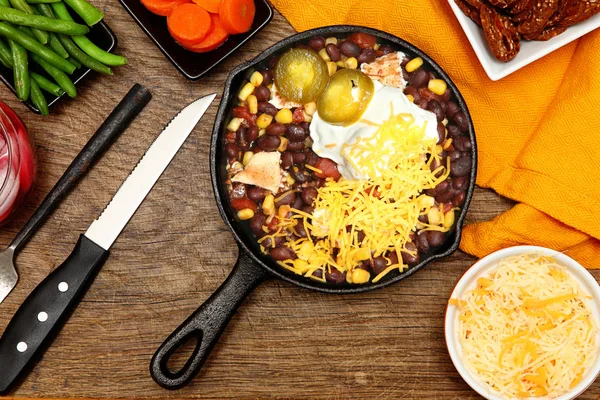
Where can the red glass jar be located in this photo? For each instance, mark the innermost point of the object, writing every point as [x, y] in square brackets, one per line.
[17, 163]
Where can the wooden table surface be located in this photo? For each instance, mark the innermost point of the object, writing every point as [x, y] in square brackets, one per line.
[284, 342]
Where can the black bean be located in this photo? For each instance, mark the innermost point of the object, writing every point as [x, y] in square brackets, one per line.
[267, 108]
[299, 158]
[287, 160]
[242, 138]
[460, 183]
[233, 151]
[308, 209]
[423, 218]
[267, 77]
[410, 259]
[252, 133]
[454, 155]
[309, 195]
[442, 187]
[422, 242]
[273, 62]
[453, 131]
[268, 142]
[262, 93]
[295, 132]
[295, 146]
[333, 52]
[361, 236]
[435, 164]
[436, 108]
[336, 277]
[419, 78]
[349, 48]
[299, 229]
[460, 167]
[287, 198]
[378, 265]
[431, 75]
[447, 95]
[435, 238]
[460, 119]
[299, 174]
[452, 110]
[445, 197]
[462, 143]
[298, 203]
[385, 50]
[423, 103]
[366, 56]
[317, 43]
[257, 194]
[283, 253]
[256, 224]
[441, 129]
[414, 92]
[275, 129]
[459, 199]
[312, 158]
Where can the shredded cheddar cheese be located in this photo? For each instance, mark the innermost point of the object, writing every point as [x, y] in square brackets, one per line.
[526, 330]
[383, 209]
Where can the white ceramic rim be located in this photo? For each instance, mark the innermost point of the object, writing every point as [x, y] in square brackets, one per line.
[486, 265]
[530, 50]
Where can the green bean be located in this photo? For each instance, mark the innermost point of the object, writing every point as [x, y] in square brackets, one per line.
[35, 47]
[38, 99]
[42, 1]
[75, 62]
[90, 14]
[21, 5]
[59, 76]
[47, 84]
[83, 58]
[83, 42]
[37, 21]
[4, 3]
[6, 54]
[58, 48]
[20, 70]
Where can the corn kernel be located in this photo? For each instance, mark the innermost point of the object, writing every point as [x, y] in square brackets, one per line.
[410, 98]
[252, 104]
[234, 124]
[362, 254]
[414, 64]
[445, 121]
[341, 64]
[360, 276]
[448, 219]
[324, 55]
[349, 277]
[434, 216]
[331, 40]
[351, 63]
[237, 166]
[261, 132]
[247, 156]
[268, 205]
[331, 67]
[301, 266]
[283, 144]
[263, 121]
[289, 180]
[376, 47]
[246, 91]
[310, 108]
[437, 86]
[284, 116]
[425, 201]
[306, 250]
[245, 214]
[256, 79]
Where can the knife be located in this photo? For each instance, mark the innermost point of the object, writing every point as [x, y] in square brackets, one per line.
[39, 319]
[118, 120]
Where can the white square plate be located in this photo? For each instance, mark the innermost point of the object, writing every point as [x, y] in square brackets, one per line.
[530, 50]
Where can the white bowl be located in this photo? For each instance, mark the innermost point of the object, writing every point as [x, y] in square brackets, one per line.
[530, 50]
[485, 266]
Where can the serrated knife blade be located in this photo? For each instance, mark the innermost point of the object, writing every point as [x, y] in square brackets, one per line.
[41, 316]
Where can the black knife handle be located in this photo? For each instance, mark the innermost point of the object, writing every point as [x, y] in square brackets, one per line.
[41, 316]
[118, 120]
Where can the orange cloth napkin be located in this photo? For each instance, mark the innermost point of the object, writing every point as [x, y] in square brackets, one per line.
[538, 130]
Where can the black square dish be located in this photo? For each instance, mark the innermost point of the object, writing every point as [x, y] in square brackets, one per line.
[100, 34]
[193, 65]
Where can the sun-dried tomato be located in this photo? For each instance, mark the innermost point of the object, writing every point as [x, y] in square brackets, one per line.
[540, 15]
[469, 10]
[501, 34]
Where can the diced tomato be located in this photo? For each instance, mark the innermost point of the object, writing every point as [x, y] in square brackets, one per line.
[328, 169]
[244, 113]
[298, 115]
[373, 191]
[241, 204]
[363, 40]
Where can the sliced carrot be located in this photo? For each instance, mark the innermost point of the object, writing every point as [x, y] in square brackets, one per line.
[162, 7]
[214, 39]
[237, 15]
[189, 24]
[212, 6]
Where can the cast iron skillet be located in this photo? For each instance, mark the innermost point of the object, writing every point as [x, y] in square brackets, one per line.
[252, 268]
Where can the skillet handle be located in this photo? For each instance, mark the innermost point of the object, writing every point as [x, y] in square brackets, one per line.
[207, 323]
